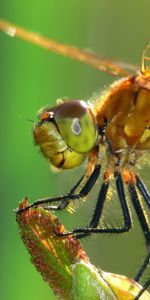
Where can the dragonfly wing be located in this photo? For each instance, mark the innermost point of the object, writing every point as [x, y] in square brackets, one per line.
[84, 56]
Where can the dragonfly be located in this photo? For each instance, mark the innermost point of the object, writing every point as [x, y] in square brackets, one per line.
[110, 134]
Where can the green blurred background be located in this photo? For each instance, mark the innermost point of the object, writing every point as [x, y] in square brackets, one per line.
[30, 78]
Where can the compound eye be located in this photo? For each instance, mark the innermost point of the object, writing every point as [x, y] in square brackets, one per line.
[76, 125]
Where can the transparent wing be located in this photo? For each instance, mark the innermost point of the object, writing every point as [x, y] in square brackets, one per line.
[146, 58]
[87, 57]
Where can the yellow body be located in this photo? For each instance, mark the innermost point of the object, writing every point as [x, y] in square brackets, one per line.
[126, 109]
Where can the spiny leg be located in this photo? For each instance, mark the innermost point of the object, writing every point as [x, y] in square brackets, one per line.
[51, 199]
[100, 204]
[83, 192]
[124, 205]
[143, 190]
[97, 212]
[69, 196]
[146, 285]
[143, 267]
[143, 223]
[145, 227]
[92, 228]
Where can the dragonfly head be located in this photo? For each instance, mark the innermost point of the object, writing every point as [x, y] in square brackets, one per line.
[66, 131]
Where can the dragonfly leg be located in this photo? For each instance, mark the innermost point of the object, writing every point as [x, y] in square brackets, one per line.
[141, 214]
[143, 190]
[70, 196]
[92, 228]
[146, 285]
[83, 192]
